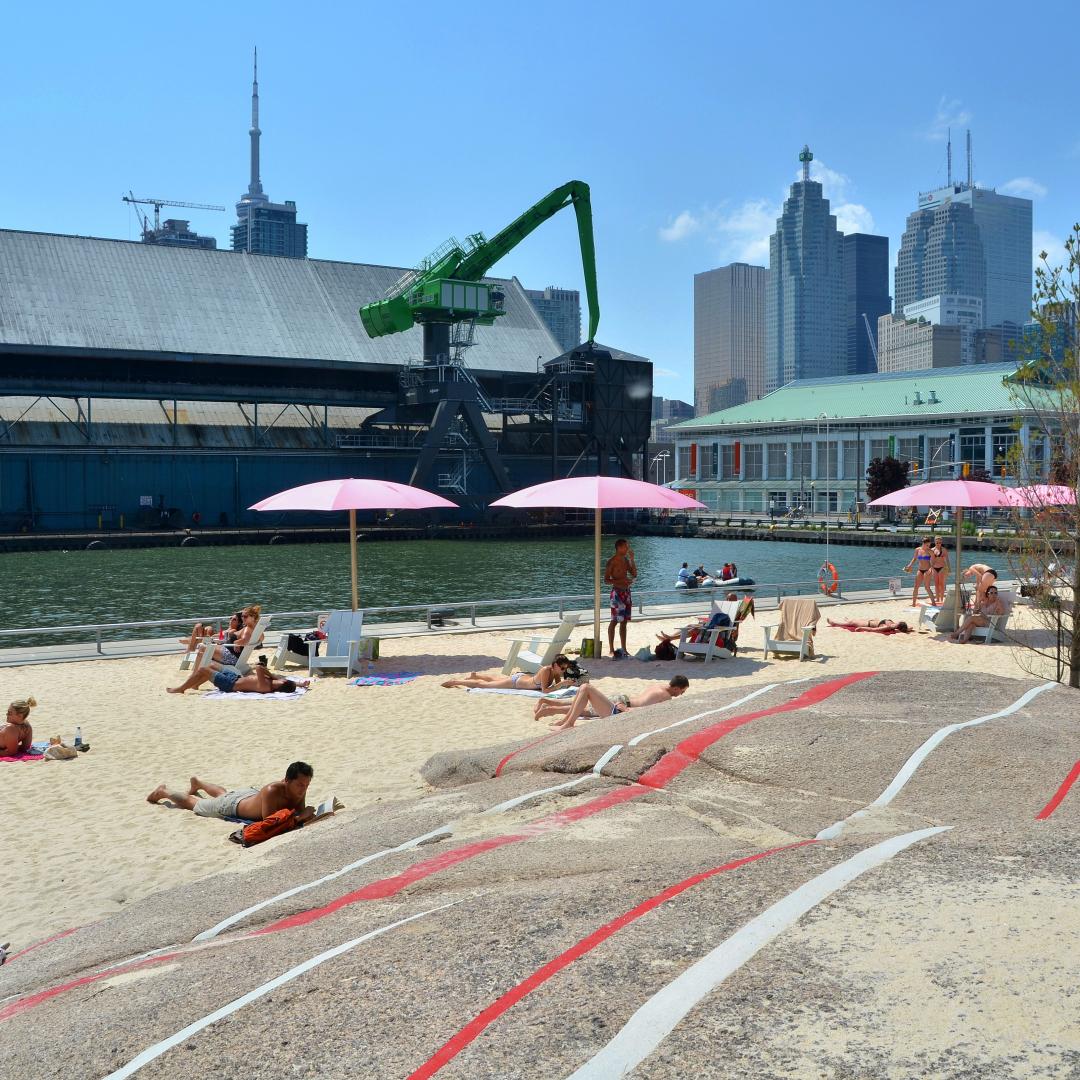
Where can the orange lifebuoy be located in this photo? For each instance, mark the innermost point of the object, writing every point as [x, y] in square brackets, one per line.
[828, 579]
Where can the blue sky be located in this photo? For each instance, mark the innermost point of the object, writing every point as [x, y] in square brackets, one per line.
[392, 131]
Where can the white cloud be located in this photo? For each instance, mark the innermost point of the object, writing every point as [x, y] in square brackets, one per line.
[950, 114]
[665, 373]
[1054, 246]
[684, 225]
[853, 218]
[1026, 187]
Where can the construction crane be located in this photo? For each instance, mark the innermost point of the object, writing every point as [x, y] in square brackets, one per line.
[446, 288]
[157, 204]
[870, 335]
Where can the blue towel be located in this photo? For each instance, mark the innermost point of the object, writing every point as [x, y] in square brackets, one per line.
[393, 678]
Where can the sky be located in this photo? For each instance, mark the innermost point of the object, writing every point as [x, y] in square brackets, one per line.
[395, 126]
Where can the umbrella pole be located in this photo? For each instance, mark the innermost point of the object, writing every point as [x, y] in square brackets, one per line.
[959, 546]
[596, 582]
[352, 557]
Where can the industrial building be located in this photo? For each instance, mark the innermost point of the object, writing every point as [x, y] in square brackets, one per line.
[809, 444]
[157, 385]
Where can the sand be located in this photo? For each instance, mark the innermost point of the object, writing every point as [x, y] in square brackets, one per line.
[81, 841]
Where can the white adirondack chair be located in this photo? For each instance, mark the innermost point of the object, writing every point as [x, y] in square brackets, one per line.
[343, 632]
[709, 643]
[206, 650]
[285, 655]
[532, 653]
[803, 645]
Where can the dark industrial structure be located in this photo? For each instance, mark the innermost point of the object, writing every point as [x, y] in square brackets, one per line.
[160, 385]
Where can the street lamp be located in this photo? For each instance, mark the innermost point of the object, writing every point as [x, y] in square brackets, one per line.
[662, 456]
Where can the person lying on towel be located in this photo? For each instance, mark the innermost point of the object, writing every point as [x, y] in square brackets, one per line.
[229, 681]
[251, 804]
[549, 677]
[873, 626]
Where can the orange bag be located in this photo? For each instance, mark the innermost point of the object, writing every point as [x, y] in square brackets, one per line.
[277, 823]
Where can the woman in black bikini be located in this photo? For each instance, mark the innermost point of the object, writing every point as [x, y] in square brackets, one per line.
[923, 574]
[939, 566]
[873, 626]
[550, 677]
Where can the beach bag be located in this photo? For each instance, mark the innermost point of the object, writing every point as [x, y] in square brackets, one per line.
[297, 643]
[664, 651]
[644, 653]
[277, 823]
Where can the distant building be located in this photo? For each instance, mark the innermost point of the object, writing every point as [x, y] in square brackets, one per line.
[671, 409]
[941, 254]
[175, 233]
[866, 292]
[1050, 343]
[729, 336]
[914, 345]
[805, 333]
[561, 311]
[264, 227]
[1005, 231]
[963, 311]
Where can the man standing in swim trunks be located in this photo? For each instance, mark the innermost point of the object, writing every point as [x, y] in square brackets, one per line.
[251, 804]
[619, 573]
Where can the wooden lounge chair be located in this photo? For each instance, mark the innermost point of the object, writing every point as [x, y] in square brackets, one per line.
[710, 643]
[795, 632]
[206, 650]
[343, 633]
[532, 653]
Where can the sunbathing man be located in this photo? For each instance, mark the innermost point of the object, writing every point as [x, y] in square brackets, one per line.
[980, 616]
[588, 697]
[16, 735]
[228, 680]
[549, 677]
[873, 626]
[251, 804]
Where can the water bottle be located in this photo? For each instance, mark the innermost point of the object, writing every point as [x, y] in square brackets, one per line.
[78, 737]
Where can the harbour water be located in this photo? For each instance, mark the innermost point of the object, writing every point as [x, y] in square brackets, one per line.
[58, 588]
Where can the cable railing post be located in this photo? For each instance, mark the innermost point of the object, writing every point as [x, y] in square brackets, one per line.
[97, 641]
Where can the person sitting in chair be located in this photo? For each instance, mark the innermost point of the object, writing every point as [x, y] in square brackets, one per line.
[980, 616]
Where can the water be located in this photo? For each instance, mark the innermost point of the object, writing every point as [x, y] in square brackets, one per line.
[56, 588]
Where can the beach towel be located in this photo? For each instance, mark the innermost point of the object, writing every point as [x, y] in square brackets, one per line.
[884, 631]
[795, 613]
[217, 695]
[555, 695]
[35, 753]
[393, 678]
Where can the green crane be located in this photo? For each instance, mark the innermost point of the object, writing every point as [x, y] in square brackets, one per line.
[447, 288]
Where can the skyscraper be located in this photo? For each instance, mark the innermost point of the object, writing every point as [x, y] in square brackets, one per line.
[729, 336]
[941, 254]
[561, 311]
[1003, 224]
[866, 293]
[263, 227]
[805, 334]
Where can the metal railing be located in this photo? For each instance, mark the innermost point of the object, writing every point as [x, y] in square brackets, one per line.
[433, 616]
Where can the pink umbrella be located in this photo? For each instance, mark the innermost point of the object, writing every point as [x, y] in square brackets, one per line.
[957, 494]
[352, 495]
[598, 493]
[1038, 496]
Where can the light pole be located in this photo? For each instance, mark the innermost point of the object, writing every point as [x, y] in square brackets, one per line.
[662, 456]
[828, 492]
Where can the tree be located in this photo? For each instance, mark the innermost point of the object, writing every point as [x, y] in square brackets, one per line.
[1046, 550]
[886, 475]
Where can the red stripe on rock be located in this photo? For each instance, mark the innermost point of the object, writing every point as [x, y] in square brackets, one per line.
[520, 749]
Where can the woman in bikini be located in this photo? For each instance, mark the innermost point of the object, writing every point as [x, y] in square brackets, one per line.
[923, 574]
[873, 626]
[939, 565]
[204, 630]
[549, 677]
[230, 653]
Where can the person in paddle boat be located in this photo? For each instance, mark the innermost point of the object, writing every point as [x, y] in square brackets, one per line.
[251, 804]
[17, 736]
[921, 561]
[873, 626]
[589, 698]
[549, 677]
[228, 680]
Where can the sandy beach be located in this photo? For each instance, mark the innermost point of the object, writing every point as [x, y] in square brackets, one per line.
[88, 843]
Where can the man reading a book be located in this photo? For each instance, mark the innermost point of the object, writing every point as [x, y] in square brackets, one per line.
[251, 804]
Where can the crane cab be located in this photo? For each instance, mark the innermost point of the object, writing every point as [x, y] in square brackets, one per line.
[449, 300]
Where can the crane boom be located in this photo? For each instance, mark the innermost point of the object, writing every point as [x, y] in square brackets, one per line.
[157, 204]
[870, 335]
[444, 288]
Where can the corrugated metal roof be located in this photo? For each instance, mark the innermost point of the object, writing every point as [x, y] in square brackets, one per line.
[977, 389]
[87, 293]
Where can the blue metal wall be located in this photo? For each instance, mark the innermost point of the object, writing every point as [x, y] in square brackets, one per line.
[54, 491]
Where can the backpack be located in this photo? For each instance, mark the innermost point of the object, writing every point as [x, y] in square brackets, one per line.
[277, 823]
[664, 651]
